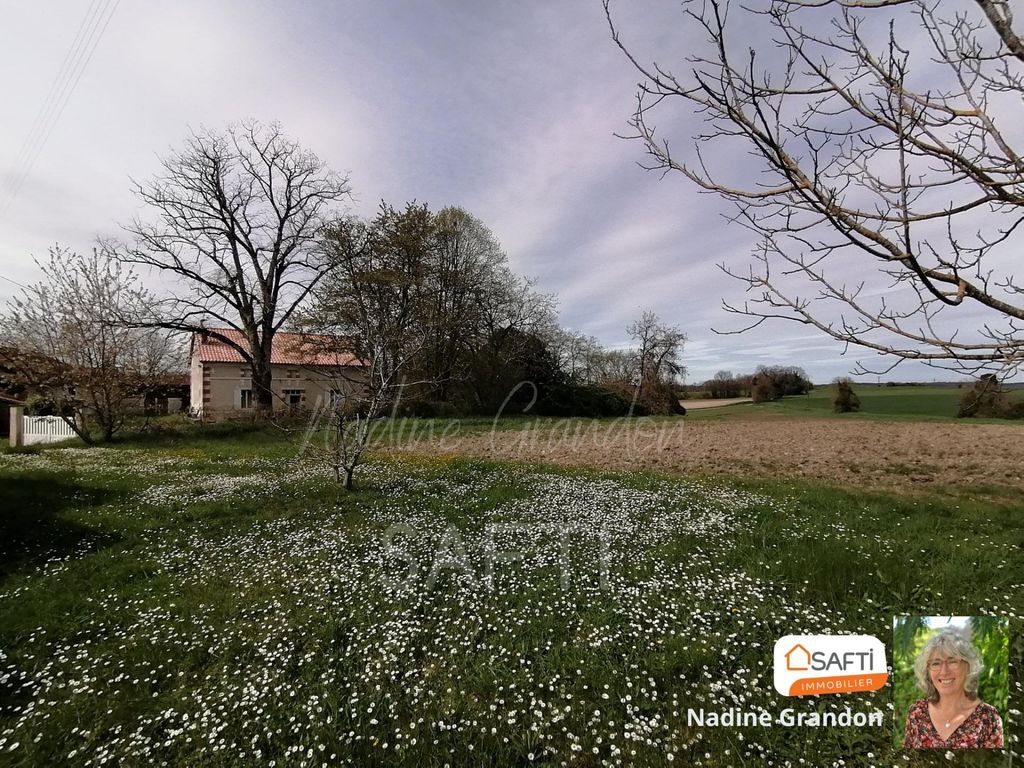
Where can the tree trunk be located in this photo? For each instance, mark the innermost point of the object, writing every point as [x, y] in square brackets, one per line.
[263, 393]
[80, 429]
[349, 471]
[106, 416]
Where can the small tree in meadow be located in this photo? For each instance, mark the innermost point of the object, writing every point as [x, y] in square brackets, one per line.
[846, 400]
[762, 389]
[987, 399]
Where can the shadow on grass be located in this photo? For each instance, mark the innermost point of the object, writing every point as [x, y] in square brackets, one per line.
[34, 522]
[159, 434]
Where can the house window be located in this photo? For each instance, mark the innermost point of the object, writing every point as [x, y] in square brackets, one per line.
[246, 398]
[294, 397]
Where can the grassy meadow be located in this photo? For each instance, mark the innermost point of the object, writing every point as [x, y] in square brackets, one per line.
[213, 601]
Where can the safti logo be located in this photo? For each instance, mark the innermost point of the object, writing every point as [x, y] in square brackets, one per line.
[798, 658]
[806, 665]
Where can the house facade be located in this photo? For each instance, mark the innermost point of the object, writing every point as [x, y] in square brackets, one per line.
[307, 369]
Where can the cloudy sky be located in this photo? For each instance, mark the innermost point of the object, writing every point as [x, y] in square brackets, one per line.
[507, 109]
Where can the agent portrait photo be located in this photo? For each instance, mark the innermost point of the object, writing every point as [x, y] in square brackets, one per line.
[945, 667]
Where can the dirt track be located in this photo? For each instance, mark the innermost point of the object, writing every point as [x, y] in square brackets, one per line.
[858, 453]
[699, 405]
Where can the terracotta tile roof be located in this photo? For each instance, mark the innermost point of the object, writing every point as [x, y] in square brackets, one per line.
[288, 349]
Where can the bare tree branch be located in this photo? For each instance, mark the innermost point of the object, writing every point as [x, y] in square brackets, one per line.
[886, 149]
[237, 218]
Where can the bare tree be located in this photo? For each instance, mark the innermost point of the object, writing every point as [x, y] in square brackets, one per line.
[657, 353]
[723, 385]
[238, 216]
[578, 354]
[616, 366]
[340, 429]
[884, 138]
[66, 340]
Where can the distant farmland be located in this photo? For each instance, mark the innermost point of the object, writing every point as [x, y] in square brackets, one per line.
[927, 403]
[905, 438]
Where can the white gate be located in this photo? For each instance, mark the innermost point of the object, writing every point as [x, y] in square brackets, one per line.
[45, 429]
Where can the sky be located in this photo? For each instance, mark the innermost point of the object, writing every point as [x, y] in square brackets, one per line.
[509, 110]
[945, 621]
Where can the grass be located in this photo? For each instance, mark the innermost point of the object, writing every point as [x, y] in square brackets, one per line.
[210, 602]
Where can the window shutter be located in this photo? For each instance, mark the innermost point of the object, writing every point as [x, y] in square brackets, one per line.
[238, 398]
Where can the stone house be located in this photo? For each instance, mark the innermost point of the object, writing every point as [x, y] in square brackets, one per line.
[307, 369]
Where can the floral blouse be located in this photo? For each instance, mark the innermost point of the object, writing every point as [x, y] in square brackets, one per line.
[982, 729]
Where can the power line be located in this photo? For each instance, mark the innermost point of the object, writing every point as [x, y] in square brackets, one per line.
[73, 60]
[56, 87]
[80, 58]
[15, 282]
[74, 85]
[67, 81]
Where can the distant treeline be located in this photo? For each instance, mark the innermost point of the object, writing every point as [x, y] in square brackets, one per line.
[768, 382]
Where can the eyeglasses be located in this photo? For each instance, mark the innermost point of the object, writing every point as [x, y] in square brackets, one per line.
[936, 664]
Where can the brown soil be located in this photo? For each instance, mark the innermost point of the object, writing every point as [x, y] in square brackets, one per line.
[699, 405]
[859, 453]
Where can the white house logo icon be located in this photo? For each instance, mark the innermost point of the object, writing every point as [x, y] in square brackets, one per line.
[798, 658]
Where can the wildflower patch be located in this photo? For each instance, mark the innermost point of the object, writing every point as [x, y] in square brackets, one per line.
[247, 612]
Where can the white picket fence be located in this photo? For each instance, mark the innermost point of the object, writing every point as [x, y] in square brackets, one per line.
[45, 429]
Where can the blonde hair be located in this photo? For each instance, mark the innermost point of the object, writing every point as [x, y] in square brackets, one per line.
[955, 642]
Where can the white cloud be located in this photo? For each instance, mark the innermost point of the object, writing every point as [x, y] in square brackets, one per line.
[506, 109]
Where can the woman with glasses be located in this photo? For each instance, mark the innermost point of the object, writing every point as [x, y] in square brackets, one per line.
[951, 716]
